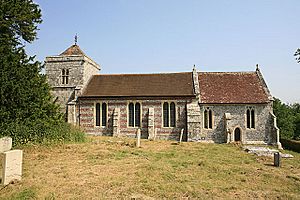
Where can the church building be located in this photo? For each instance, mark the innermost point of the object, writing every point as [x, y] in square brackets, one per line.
[219, 107]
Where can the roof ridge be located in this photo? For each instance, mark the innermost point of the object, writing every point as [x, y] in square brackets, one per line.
[240, 72]
[136, 74]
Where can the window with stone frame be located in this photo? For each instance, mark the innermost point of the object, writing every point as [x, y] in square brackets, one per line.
[250, 118]
[208, 118]
[134, 114]
[65, 76]
[101, 114]
[169, 114]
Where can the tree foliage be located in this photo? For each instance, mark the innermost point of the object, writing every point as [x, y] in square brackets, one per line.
[27, 111]
[288, 119]
[297, 55]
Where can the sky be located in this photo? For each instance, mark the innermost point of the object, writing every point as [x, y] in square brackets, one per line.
[151, 36]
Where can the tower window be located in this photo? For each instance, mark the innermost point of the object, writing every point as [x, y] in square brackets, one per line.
[65, 76]
[250, 118]
[169, 114]
[208, 118]
[134, 114]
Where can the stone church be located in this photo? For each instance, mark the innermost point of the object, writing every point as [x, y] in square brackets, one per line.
[220, 107]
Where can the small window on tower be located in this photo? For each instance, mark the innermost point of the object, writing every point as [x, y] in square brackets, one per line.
[65, 76]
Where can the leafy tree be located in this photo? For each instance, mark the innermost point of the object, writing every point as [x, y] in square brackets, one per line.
[285, 119]
[297, 55]
[296, 110]
[27, 111]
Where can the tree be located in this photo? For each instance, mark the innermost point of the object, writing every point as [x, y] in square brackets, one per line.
[285, 119]
[27, 111]
[296, 113]
[297, 55]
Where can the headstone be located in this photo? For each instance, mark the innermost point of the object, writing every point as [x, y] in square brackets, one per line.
[138, 142]
[12, 166]
[5, 144]
[277, 159]
[181, 135]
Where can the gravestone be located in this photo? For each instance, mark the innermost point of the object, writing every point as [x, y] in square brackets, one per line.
[12, 166]
[5, 144]
[277, 159]
[138, 142]
[181, 135]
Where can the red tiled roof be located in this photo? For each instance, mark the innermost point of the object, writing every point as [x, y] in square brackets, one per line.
[231, 87]
[73, 50]
[142, 85]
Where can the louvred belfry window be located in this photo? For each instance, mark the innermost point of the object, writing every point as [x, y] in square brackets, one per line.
[65, 76]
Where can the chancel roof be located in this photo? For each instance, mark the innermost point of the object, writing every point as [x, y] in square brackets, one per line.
[215, 87]
[232, 87]
[140, 85]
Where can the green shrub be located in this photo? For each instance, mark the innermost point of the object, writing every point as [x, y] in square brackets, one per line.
[291, 145]
[40, 132]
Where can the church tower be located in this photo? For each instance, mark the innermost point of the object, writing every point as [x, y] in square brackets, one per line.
[67, 74]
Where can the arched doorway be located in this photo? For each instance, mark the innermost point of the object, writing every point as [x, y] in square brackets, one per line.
[237, 135]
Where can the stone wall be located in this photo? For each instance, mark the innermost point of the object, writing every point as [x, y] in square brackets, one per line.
[87, 117]
[90, 69]
[55, 64]
[262, 133]
[81, 68]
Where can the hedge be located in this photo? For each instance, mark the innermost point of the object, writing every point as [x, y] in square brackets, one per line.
[293, 145]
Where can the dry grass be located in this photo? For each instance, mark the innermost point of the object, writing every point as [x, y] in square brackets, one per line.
[112, 168]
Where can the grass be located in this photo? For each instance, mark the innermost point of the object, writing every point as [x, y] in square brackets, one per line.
[112, 168]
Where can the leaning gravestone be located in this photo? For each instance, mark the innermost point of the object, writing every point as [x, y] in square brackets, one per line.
[12, 162]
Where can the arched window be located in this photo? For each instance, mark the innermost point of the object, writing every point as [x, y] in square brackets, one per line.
[104, 114]
[172, 114]
[250, 118]
[134, 114]
[205, 119]
[166, 114]
[169, 114]
[131, 114]
[208, 118]
[137, 112]
[101, 114]
[98, 114]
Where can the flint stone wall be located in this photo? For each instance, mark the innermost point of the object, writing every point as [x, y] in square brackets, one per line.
[264, 126]
[87, 117]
